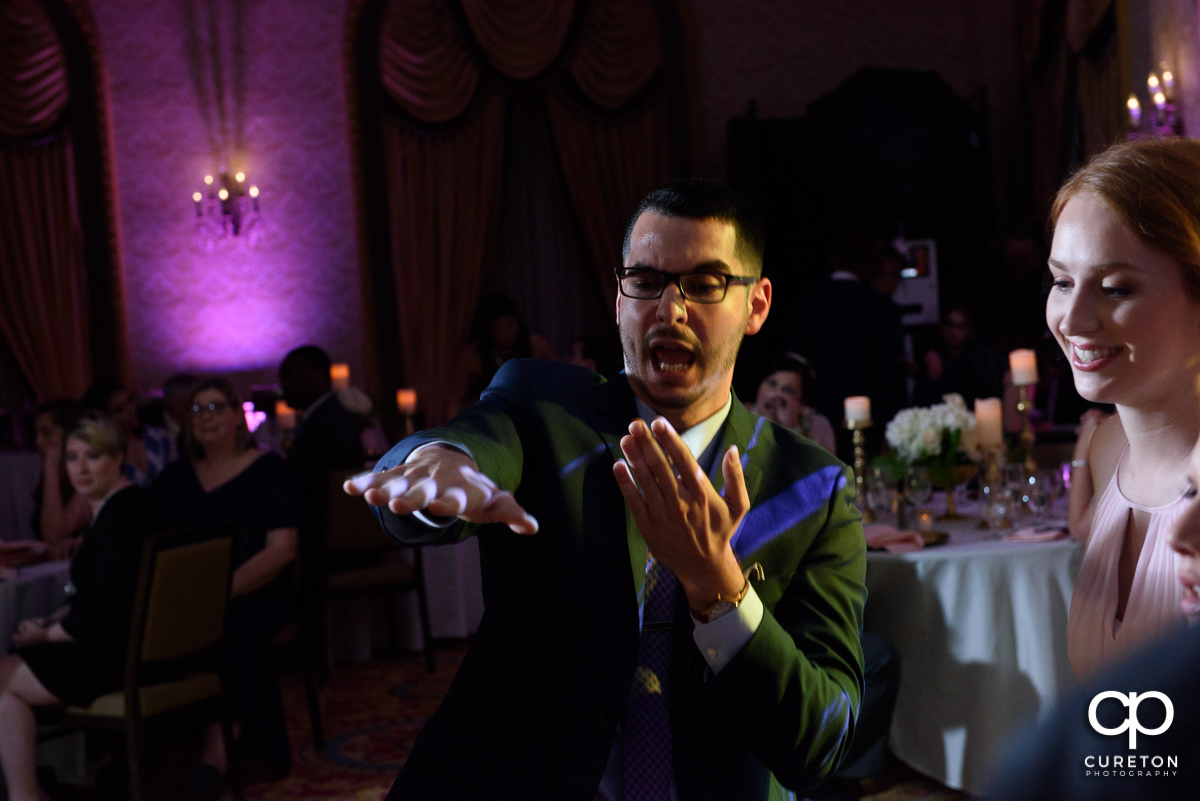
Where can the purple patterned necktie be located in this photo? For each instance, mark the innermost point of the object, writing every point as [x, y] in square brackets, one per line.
[647, 729]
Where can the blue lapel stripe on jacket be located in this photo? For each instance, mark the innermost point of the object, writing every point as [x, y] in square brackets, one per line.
[777, 514]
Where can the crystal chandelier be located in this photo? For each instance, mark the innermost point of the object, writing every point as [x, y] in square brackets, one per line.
[226, 211]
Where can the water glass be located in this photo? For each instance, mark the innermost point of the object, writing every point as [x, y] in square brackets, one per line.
[881, 489]
[918, 485]
[998, 503]
[1039, 494]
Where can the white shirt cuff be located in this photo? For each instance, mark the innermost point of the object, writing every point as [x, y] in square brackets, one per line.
[720, 641]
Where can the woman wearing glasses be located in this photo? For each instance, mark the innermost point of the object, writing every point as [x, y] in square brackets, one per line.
[226, 478]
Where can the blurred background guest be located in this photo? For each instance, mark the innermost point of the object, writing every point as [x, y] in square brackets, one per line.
[327, 436]
[225, 479]
[177, 397]
[781, 398]
[498, 333]
[59, 513]
[1124, 305]
[78, 653]
[959, 362]
[597, 354]
[148, 448]
[852, 336]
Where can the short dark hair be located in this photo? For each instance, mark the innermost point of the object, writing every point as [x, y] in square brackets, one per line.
[307, 359]
[701, 199]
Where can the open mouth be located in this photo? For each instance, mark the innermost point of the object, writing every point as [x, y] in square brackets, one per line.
[672, 359]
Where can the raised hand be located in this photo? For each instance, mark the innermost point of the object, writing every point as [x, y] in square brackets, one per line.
[687, 525]
[444, 482]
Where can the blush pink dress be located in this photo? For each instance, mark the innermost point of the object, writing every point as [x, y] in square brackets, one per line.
[1095, 637]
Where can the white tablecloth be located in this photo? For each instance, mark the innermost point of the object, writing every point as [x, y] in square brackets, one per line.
[455, 593]
[18, 479]
[981, 627]
[39, 590]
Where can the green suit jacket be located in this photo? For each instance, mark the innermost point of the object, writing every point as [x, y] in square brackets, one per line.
[534, 708]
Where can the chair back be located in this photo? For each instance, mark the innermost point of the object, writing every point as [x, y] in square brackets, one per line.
[349, 523]
[183, 595]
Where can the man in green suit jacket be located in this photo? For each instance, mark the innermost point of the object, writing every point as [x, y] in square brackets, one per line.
[569, 479]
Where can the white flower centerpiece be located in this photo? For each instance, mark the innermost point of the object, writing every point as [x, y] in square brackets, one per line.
[940, 437]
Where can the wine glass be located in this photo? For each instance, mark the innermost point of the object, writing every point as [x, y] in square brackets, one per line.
[918, 485]
[998, 502]
[881, 488]
[1039, 493]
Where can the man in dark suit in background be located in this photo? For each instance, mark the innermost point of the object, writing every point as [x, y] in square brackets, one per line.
[852, 335]
[752, 591]
[327, 436]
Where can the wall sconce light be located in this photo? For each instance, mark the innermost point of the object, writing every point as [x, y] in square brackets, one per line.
[226, 211]
[1165, 119]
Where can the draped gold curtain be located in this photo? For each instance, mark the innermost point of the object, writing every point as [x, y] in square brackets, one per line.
[1072, 59]
[449, 70]
[43, 287]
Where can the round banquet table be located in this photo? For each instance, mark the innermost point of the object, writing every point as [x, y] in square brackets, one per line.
[981, 627]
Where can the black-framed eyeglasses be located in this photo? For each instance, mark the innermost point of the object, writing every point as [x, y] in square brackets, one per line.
[643, 283]
[213, 407]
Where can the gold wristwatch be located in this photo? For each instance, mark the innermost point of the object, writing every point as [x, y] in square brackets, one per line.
[723, 606]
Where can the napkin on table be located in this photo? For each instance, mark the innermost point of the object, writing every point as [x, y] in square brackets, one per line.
[891, 539]
[1030, 534]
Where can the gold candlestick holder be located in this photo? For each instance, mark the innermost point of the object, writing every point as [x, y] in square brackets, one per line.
[1027, 437]
[856, 428]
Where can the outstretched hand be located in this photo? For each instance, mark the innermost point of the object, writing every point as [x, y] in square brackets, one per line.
[687, 525]
[445, 482]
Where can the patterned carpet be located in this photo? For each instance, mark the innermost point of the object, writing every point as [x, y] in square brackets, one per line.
[372, 712]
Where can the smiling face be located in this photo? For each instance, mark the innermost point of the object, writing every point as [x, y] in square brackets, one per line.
[1186, 540]
[92, 472]
[1120, 310]
[779, 397]
[679, 355]
[214, 419]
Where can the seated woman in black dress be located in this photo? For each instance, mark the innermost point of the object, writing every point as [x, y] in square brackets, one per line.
[78, 653]
[226, 479]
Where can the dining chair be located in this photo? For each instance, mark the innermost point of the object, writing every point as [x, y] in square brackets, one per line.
[358, 560]
[175, 657]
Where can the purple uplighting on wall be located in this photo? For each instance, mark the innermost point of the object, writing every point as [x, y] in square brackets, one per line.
[239, 308]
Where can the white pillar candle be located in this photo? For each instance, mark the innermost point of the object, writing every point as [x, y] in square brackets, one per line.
[1023, 364]
[988, 421]
[858, 408]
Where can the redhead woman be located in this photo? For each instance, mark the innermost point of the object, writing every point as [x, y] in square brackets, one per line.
[227, 479]
[77, 654]
[1124, 305]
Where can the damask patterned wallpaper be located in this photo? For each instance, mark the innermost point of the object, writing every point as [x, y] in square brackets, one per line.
[237, 309]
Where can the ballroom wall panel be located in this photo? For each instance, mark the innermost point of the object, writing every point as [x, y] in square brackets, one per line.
[239, 308]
